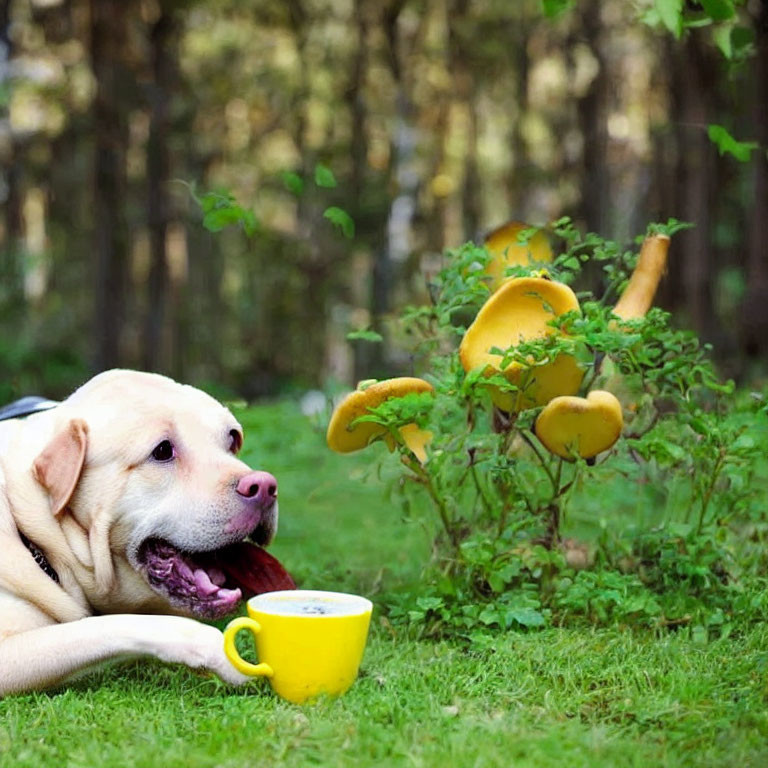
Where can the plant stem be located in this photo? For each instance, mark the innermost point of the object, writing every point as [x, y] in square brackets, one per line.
[596, 368]
[426, 480]
[483, 500]
[545, 466]
[502, 519]
[552, 536]
[558, 490]
[711, 488]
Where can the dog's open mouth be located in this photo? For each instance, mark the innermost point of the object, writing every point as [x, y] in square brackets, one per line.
[211, 584]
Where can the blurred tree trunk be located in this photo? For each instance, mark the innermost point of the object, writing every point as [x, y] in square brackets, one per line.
[404, 179]
[366, 357]
[592, 117]
[521, 172]
[11, 271]
[755, 315]
[109, 19]
[162, 39]
[369, 358]
[460, 48]
[436, 224]
[355, 97]
[693, 82]
[315, 267]
[299, 25]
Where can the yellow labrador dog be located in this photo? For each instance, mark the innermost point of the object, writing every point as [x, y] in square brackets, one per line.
[124, 514]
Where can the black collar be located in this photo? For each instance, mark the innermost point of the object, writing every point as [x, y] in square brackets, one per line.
[40, 558]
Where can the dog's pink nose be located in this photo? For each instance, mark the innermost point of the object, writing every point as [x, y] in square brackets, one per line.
[259, 486]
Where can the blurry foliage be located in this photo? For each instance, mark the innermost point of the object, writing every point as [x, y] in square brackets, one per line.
[338, 149]
[726, 144]
[220, 210]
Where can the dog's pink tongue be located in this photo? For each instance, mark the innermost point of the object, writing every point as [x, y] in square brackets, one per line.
[253, 569]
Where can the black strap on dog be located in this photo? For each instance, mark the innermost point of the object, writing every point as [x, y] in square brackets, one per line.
[25, 407]
[39, 557]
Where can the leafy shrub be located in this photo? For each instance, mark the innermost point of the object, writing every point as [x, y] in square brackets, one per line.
[659, 511]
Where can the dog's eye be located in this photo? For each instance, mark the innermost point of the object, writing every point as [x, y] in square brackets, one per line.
[236, 441]
[163, 451]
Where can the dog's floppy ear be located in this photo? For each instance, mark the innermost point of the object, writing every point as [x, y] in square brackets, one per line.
[59, 466]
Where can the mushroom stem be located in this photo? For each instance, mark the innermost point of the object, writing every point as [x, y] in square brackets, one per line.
[638, 295]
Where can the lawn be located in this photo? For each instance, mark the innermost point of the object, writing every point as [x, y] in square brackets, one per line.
[554, 697]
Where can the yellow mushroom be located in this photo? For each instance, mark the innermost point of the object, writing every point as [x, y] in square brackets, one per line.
[508, 251]
[580, 426]
[346, 437]
[417, 440]
[638, 295]
[520, 311]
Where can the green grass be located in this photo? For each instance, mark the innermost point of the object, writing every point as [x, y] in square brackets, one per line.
[572, 697]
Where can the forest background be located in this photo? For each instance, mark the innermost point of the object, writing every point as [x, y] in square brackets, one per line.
[419, 124]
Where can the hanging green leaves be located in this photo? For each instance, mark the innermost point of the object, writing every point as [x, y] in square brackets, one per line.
[727, 145]
[324, 176]
[341, 219]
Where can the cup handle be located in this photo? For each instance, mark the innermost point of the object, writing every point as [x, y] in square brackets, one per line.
[234, 626]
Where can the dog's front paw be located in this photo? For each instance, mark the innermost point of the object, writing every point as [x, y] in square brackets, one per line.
[201, 647]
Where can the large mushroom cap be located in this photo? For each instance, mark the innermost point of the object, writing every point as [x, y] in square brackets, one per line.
[508, 251]
[519, 311]
[343, 437]
[580, 426]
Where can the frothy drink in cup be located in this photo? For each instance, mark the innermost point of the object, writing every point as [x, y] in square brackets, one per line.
[316, 606]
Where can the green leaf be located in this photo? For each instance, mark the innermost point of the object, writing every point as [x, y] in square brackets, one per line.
[700, 23]
[341, 219]
[671, 15]
[248, 220]
[219, 218]
[699, 635]
[324, 176]
[527, 617]
[293, 182]
[489, 615]
[650, 17]
[726, 144]
[429, 603]
[719, 10]
[722, 38]
[496, 582]
[365, 335]
[554, 8]
[220, 210]
[671, 228]
[572, 263]
[211, 200]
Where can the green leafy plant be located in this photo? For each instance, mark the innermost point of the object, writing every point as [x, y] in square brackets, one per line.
[506, 552]
[365, 334]
[727, 22]
[727, 145]
[220, 208]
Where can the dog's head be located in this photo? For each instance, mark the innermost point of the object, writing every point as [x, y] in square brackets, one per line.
[148, 469]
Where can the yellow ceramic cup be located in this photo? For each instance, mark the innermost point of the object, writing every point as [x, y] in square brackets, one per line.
[308, 642]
